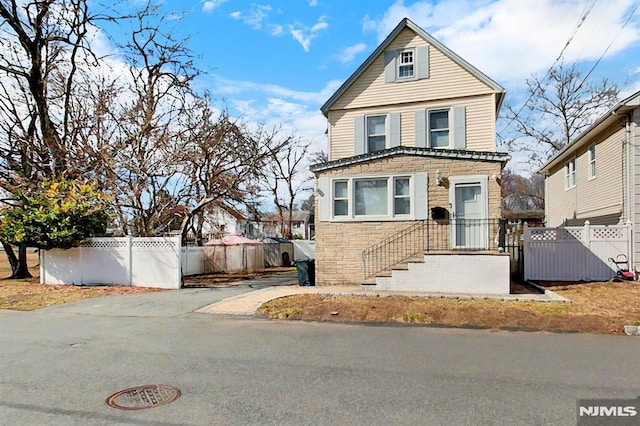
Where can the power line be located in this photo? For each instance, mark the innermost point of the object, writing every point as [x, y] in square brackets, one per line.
[599, 59]
[583, 17]
[609, 46]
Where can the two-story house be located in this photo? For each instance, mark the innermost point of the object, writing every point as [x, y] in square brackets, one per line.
[411, 144]
[596, 177]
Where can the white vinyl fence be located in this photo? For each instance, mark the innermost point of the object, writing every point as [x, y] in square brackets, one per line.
[574, 253]
[136, 262]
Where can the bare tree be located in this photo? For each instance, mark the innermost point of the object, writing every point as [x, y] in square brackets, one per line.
[224, 160]
[522, 193]
[286, 178]
[558, 110]
[141, 157]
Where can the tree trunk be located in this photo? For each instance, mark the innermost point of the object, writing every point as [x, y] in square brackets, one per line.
[11, 257]
[23, 268]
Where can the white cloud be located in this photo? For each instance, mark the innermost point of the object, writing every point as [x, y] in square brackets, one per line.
[313, 3]
[210, 5]
[511, 39]
[276, 30]
[319, 26]
[226, 86]
[348, 54]
[303, 34]
[368, 24]
[255, 16]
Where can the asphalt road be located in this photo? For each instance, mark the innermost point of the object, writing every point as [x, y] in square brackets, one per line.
[58, 365]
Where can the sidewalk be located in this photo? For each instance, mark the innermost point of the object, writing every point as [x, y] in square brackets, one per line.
[248, 303]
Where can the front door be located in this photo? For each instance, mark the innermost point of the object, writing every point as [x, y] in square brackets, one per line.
[469, 226]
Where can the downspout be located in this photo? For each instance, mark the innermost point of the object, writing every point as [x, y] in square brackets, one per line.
[628, 193]
[626, 169]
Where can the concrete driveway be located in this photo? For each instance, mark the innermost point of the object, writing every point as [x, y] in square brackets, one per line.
[171, 303]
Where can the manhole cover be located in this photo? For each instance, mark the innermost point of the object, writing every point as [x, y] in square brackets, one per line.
[142, 397]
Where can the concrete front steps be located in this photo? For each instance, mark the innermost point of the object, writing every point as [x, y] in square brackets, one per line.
[467, 272]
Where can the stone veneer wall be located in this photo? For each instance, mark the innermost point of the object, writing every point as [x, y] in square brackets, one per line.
[339, 245]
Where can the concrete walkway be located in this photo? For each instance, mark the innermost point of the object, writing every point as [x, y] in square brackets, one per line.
[248, 303]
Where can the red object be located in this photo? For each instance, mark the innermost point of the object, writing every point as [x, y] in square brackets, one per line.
[233, 240]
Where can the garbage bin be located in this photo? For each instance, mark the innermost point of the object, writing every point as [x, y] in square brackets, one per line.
[312, 272]
[302, 266]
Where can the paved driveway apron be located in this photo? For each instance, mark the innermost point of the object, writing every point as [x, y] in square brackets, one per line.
[169, 303]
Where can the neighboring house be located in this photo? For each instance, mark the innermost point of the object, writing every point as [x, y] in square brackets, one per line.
[272, 224]
[596, 176]
[411, 137]
[221, 219]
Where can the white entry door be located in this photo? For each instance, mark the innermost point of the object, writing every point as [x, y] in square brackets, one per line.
[469, 226]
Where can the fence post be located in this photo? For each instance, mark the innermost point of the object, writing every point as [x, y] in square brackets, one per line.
[587, 234]
[502, 233]
[177, 246]
[41, 261]
[129, 241]
[630, 251]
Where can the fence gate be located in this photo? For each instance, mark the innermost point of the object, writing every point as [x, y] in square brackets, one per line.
[574, 253]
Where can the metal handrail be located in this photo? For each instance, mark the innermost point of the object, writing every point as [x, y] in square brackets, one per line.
[479, 234]
[396, 248]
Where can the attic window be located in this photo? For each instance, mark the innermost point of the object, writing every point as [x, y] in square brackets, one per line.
[405, 64]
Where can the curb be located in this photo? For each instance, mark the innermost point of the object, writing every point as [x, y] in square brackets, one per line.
[555, 297]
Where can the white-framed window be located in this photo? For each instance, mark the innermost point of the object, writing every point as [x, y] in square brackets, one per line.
[374, 197]
[340, 198]
[371, 197]
[439, 131]
[376, 132]
[592, 161]
[401, 196]
[405, 65]
[570, 174]
[406, 62]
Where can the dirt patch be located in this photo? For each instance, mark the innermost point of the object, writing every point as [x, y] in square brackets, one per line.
[29, 294]
[596, 308]
[226, 280]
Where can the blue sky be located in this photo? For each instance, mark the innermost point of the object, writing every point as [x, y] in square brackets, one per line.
[276, 62]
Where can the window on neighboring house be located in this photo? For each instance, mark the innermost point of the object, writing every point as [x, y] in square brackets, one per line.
[401, 196]
[570, 174]
[439, 131]
[376, 133]
[405, 64]
[340, 198]
[592, 161]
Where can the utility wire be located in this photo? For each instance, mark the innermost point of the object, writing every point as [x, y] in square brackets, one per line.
[601, 56]
[583, 17]
[609, 46]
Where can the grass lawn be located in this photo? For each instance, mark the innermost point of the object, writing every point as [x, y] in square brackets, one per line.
[595, 308]
[29, 294]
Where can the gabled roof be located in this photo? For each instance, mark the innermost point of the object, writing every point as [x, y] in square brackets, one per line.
[502, 157]
[612, 116]
[407, 23]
